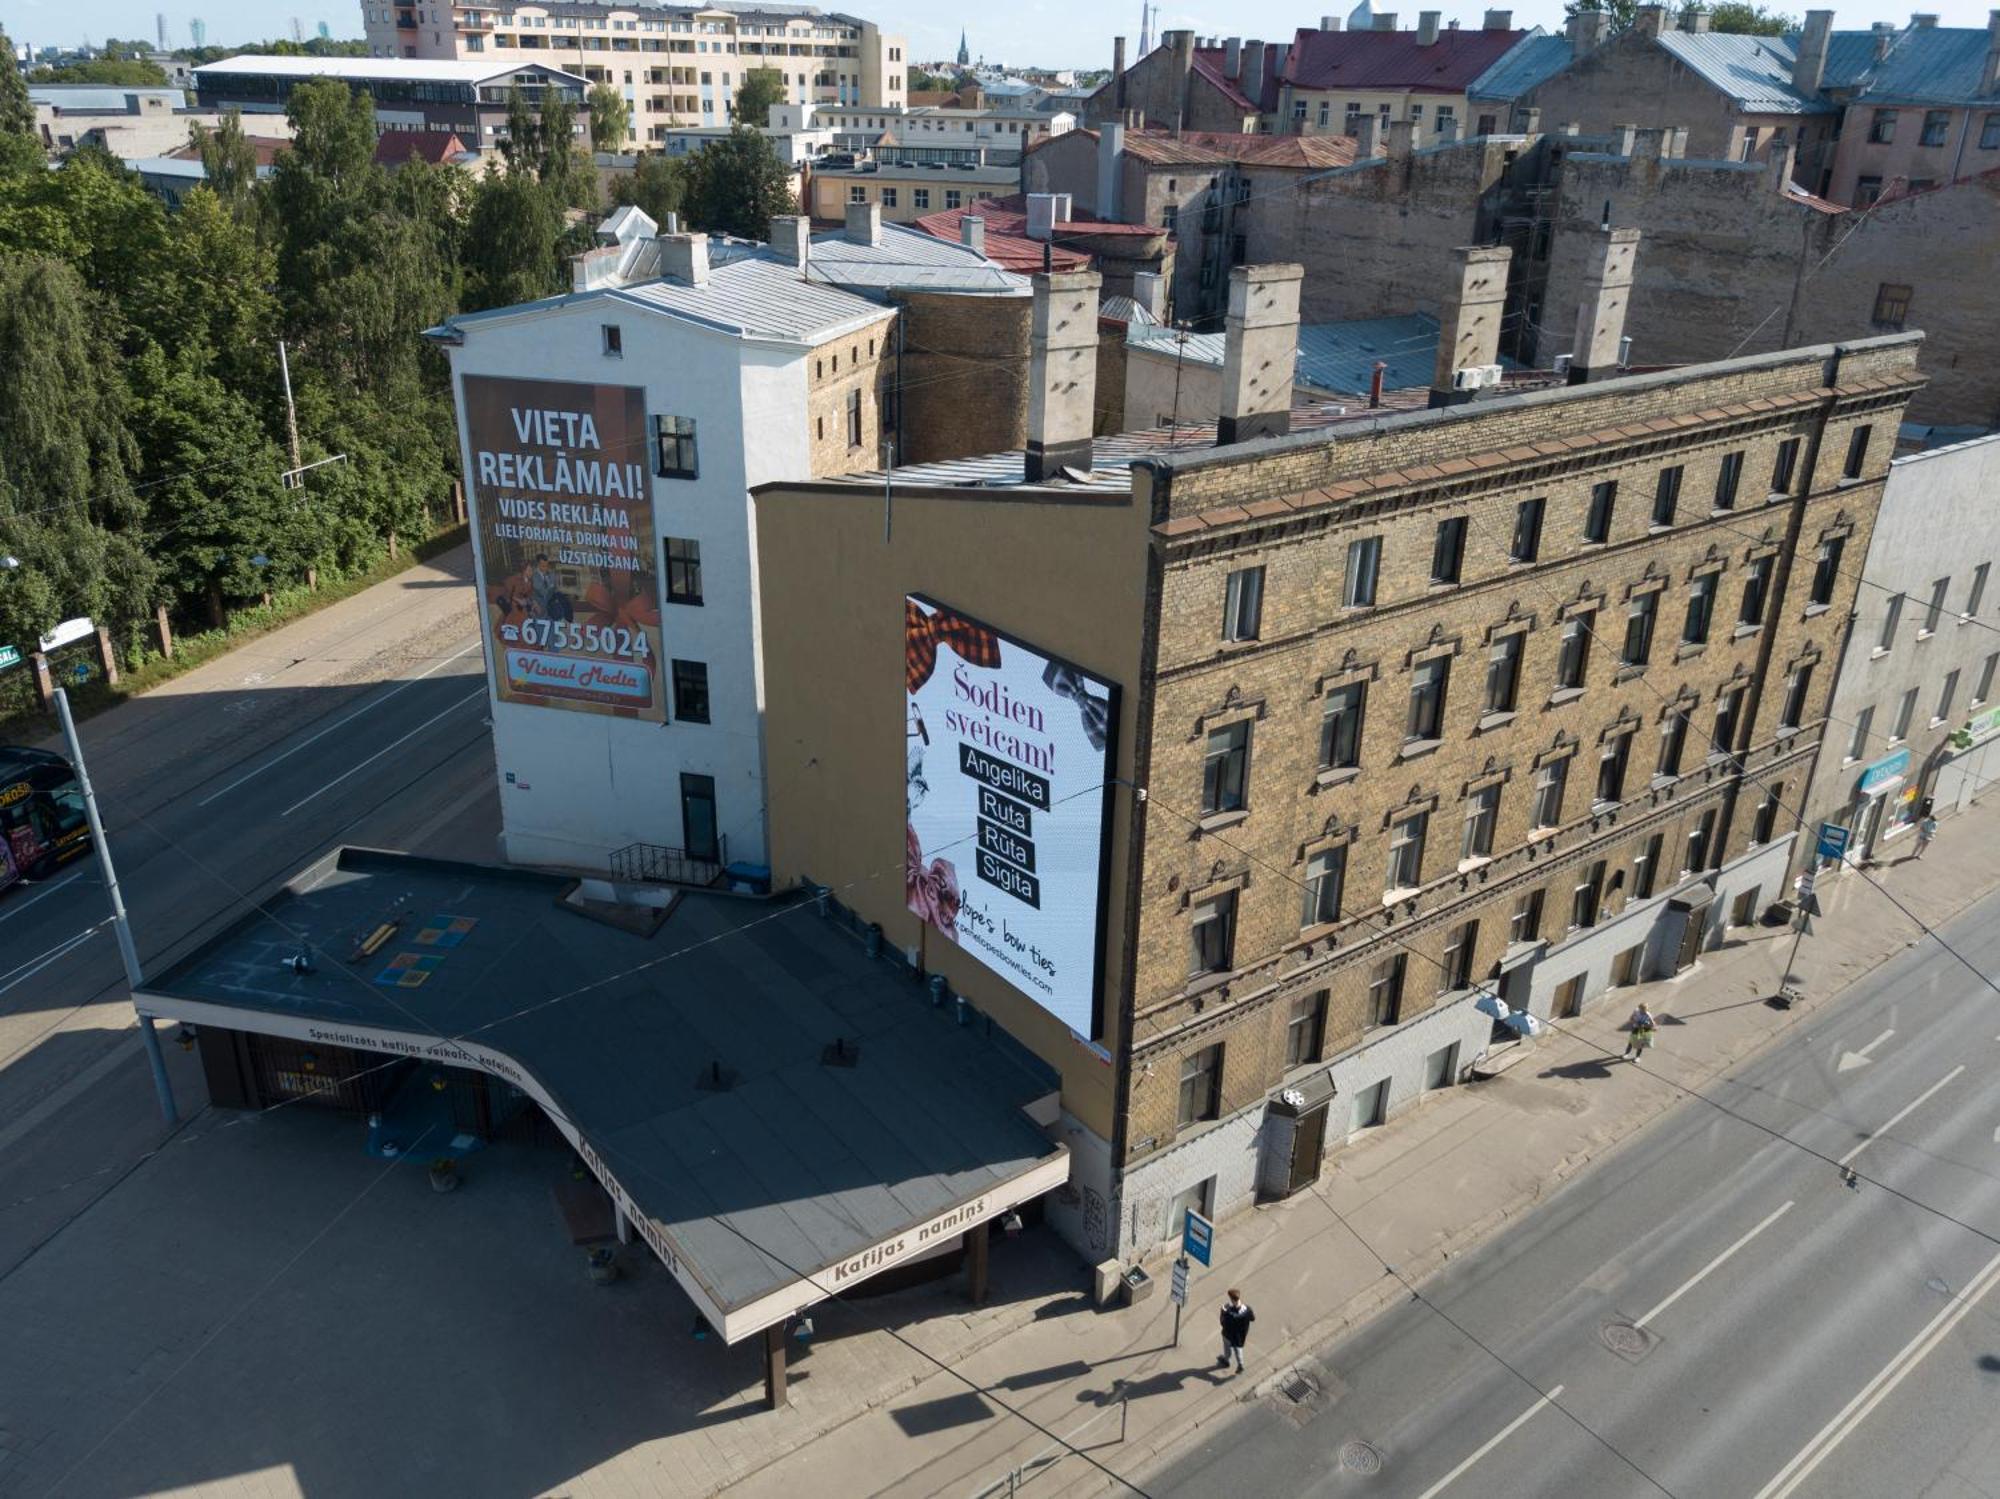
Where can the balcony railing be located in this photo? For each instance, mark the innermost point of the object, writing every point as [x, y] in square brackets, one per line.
[655, 864]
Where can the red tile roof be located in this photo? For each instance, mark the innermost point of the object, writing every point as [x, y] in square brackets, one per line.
[1394, 59]
[1007, 242]
[394, 147]
[1213, 147]
[266, 148]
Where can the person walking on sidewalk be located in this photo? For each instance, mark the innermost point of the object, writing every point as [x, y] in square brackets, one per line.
[1926, 830]
[1641, 1040]
[1236, 1320]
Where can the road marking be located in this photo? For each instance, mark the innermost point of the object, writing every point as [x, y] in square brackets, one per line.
[1852, 1059]
[52, 955]
[43, 894]
[364, 764]
[1901, 1114]
[1893, 1373]
[339, 724]
[1494, 1441]
[1703, 1273]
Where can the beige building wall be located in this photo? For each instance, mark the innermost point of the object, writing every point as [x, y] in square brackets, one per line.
[1928, 145]
[905, 194]
[845, 378]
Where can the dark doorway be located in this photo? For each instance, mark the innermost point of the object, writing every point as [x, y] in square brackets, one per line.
[1308, 1149]
[698, 818]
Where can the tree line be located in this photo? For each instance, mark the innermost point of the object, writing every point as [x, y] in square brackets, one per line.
[144, 439]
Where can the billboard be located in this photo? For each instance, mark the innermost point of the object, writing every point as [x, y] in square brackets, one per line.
[1006, 788]
[563, 504]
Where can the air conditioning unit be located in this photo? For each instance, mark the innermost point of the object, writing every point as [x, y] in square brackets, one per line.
[1475, 377]
[1562, 363]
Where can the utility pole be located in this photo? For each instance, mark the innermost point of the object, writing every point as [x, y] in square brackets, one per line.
[291, 411]
[119, 922]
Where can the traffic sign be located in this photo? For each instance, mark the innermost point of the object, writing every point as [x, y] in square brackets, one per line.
[10, 655]
[1197, 1237]
[1833, 840]
[1180, 1282]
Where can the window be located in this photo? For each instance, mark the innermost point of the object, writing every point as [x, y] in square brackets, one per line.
[1892, 306]
[857, 193]
[1727, 478]
[683, 570]
[1934, 612]
[1212, 936]
[1584, 899]
[674, 449]
[1326, 873]
[1340, 728]
[614, 340]
[1639, 629]
[1978, 590]
[1243, 604]
[691, 691]
[1989, 133]
[1796, 687]
[1625, 967]
[1858, 745]
[1936, 123]
[1700, 609]
[1550, 781]
[1766, 822]
[1427, 687]
[1448, 551]
[1867, 191]
[1905, 711]
[1525, 924]
[1503, 674]
[1459, 948]
[1305, 1032]
[1441, 1068]
[1527, 543]
[1667, 495]
[1826, 570]
[1406, 851]
[1575, 653]
[1201, 1087]
[1891, 618]
[920, 197]
[1756, 590]
[1673, 739]
[1985, 687]
[854, 418]
[1857, 452]
[1225, 769]
[888, 197]
[1699, 838]
[1882, 127]
[1597, 518]
[1364, 562]
[1371, 1104]
[1611, 764]
[953, 198]
[1385, 989]
[1944, 698]
[1482, 814]
[1786, 466]
[1646, 866]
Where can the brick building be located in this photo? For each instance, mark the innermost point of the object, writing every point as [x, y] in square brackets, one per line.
[1175, 87]
[1507, 696]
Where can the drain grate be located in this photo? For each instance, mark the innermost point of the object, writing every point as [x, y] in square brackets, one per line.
[1299, 1388]
[1359, 1457]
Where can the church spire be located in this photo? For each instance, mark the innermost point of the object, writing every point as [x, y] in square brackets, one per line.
[964, 52]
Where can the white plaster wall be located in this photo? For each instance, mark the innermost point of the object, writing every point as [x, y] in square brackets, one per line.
[1150, 398]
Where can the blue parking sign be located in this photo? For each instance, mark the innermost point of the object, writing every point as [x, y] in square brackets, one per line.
[1832, 840]
[1197, 1237]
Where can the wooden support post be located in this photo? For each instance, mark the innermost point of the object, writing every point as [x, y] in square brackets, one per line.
[107, 657]
[976, 1242]
[163, 632]
[775, 1397]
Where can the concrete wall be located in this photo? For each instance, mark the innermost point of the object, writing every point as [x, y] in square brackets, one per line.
[1160, 389]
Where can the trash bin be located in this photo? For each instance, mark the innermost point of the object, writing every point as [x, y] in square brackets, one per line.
[1138, 1285]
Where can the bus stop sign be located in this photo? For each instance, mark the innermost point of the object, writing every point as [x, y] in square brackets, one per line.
[1197, 1237]
[1832, 840]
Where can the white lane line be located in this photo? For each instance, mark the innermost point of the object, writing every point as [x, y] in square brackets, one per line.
[339, 724]
[362, 765]
[1877, 1389]
[1703, 1273]
[42, 894]
[54, 954]
[1901, 1114]
[1494, 1441]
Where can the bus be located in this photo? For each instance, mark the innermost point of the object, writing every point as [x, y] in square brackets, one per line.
[42, 821]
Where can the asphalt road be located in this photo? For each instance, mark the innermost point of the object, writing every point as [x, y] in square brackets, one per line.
[1714, 1310]
[364, 724]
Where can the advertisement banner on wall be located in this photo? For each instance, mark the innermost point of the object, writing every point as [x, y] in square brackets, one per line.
[562, 500]
[1007, 790]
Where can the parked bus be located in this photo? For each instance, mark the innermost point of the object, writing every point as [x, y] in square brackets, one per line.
[42, 821]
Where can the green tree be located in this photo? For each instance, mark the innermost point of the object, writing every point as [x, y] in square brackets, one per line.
[105, 70]
[760, 89]
[227, 157]
[521, 146]
[93, 214]
[510, 242]
[565, 170]
[1750, 19]
[207, 295]
[736, 184]
[610, 119]
[657, 185]
[17, 110]
[1620, 11]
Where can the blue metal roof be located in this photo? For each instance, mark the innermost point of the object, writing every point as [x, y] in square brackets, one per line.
[1533, 60]
[1933, 65]
[1336, 357]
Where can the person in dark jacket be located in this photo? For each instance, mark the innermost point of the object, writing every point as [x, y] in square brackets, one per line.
[1236, 1320]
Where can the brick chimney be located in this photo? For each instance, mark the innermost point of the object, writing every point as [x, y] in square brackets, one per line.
[1649, 20]
[1600, 318]
[1694, 19]
[1329, 23]
[1385, 20]
[1062, 373]
[864, 223]
[1232, 58]
[1587, 31]
[972, 233]
[684, 258]
[1181, 44]
[1427, 27]
[1260, 351]
[1110, 170]
[1884, 33]
[1366, 146]
[1989, 75]
[1469, 335]
[1809, 67]
[791, 237]
[1118, 72]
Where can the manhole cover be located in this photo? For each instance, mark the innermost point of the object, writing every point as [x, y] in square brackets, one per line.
[1625, 1340]
[1299, 1388]
[1359, 1457]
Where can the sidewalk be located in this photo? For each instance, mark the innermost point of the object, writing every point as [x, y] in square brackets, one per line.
[1430, 1186]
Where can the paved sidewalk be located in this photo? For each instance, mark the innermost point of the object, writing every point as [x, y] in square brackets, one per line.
[1429, 1187]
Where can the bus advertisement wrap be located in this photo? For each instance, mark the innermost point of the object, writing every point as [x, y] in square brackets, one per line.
[1006, 781]
[564, 503]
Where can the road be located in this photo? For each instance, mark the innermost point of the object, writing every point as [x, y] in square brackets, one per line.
[364, 724]
[1716, 1309]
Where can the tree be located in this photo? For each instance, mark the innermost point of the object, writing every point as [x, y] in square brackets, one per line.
[1750, 19]
[737, 183]
[106, 70]
[610, 119]
[657, 185]
[17, 110]
[760, 89]
[1620, 11]
[565, 171]
[227, 157]
[207, 296]
[522, 144]
[510, 242]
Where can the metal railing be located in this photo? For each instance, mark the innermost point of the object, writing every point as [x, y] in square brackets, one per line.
[654, 863]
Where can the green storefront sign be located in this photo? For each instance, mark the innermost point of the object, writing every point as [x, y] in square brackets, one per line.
[1976, 729]
[10, 655]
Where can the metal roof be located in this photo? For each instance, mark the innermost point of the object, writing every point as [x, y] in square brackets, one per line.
[1395, 59]
[1338, 357]
[908, 258]
[1756, 71]
[1933, 65]
[757, 297]
[77, 98]
[364, 69]
[1120, 309]
[1531, 61]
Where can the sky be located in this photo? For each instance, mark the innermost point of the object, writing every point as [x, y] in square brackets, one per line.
[1052, 33]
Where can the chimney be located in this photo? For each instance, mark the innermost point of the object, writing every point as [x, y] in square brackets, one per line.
[1587, 31]
[1118, 72]
[1375, 379]
[1366, 147]
[1045, 211]
[1499, 20]
[1062, 373]
[1260, 352]
[791, 237]
[1649, 20]
[1809, 68]
[1182, 43]
[1624, 138]
[1782, 158]
[1329, 23]
[1251, 81]
[1885, 39]
[1402, 139]
[1278, 61]
[972, 233]
[1427, 28]
[684, 258]
[1232, 58]
[1110, 170]
[1385, 20]
[1149, 290]
[1989, 75]
[1600, 319]
[1694, 19]
[1469, 335]
[864, 223]
[1923, 20]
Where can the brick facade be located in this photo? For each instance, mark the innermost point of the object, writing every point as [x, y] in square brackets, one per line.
[843, 375]
[965, 374]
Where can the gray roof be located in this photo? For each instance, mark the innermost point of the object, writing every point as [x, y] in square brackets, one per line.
[79, 98]
[1121, 309]
[1337, 357]
[796, 1167]
[1755, 71]
[924, 174]
[1933, 65]
[1531, 61]
[366, 69]
[908, 258]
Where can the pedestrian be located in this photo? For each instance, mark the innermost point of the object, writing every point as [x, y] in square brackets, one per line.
[1641, 1039]
[1236, 1320]
[1926, 830]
